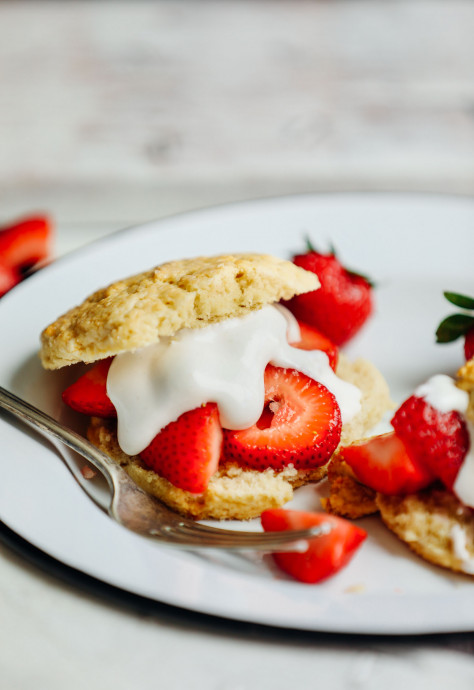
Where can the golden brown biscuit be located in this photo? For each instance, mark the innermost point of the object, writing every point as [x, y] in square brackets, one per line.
[232, 493]
[191, 293]
[243, 494]
[375, 400]
[465, 380]
[347, 497]
[435, 525]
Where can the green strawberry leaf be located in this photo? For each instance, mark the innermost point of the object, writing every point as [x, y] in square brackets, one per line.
[332, 252]
[460, 300]
[309, 247]
[454, 327]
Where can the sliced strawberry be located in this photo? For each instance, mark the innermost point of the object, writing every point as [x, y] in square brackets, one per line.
[9, 277]
[187, 452]
[342, 304]
[437, 440]
[312, 339]
[300, 425]
[26, 242]
[326, 554]
[383, 464]
[89, 393]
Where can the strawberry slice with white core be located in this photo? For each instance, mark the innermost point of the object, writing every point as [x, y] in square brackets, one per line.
[383, 464]
[300, 425]
[187, 451]
[326, 554]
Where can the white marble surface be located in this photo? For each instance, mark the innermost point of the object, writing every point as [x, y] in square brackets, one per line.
[112, 113]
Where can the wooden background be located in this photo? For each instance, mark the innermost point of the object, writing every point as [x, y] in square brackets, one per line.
[112, 113]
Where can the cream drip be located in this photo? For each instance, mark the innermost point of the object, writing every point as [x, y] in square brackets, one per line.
[222, 363]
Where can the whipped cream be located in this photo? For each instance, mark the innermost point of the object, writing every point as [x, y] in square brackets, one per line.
[222, 363]
[441, 392]
[459, 542]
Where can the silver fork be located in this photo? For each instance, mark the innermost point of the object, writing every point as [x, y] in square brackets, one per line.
[144, 514]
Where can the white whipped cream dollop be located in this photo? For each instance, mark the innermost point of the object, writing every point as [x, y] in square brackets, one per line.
[222, 363]
[441, 392]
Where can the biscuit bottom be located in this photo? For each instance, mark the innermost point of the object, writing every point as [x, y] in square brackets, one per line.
[232, 493]
[243, 494]
[435, 525]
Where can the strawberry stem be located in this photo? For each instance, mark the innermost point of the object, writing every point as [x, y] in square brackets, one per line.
[309, 247]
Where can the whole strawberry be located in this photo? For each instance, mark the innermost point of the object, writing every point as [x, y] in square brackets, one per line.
[437, 440]
[459, 325]
[342, 304]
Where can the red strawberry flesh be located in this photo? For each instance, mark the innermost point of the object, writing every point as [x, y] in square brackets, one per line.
[300, 425]
[9, 277]
[89, 393]
[383, 464]
[326, 554]
[312, 339]
[342, 304]
[469, 344]
[437, 440]
[187, 452]
[26, 242]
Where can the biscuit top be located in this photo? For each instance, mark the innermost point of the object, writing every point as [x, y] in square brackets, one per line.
[190, 293]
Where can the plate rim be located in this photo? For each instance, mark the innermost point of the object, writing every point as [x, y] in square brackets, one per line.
[158, 225]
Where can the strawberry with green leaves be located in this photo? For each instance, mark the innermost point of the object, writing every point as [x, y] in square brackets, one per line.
[342, 304]
[459, 325]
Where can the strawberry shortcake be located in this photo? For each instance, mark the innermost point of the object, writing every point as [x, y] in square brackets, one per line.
[420, 476]
[210, 393]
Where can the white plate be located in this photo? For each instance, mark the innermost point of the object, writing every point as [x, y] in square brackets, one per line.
[414, 247]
